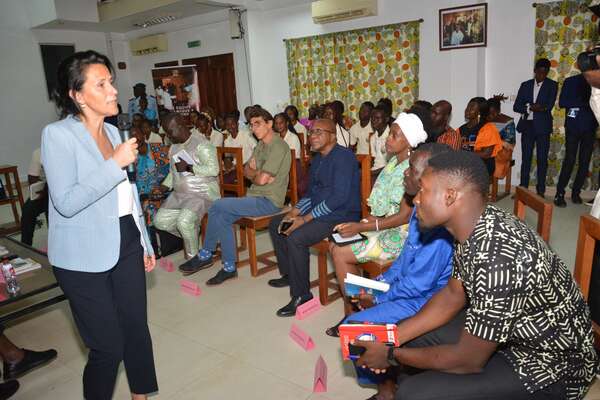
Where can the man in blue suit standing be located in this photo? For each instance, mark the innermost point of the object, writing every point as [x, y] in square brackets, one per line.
[580, 133]
[534, 102]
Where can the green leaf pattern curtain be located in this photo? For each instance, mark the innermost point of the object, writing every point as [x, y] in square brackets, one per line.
[355, 66]
[564, 29]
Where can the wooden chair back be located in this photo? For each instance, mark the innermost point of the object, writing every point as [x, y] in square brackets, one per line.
[238, 186]
[589, 234]
[365, 182]
[304, 157]
[526, 198]
[292, 192]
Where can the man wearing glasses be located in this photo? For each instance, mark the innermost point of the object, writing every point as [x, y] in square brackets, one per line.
[333, 197]
[268, 169]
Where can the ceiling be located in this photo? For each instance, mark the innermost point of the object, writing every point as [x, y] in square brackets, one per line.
[132, 12]
[179, 9]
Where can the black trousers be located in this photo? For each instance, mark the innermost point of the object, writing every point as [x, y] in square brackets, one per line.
[541, 142]
[497, 381]
[31, 211]
[575, 142]
[293, 256]
[109, 309]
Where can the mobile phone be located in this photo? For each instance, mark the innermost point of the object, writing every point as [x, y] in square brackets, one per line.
[284, 226]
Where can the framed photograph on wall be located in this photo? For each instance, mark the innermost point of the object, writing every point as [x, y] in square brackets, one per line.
[463, 27]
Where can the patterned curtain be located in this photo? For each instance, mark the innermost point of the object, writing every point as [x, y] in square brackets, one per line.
[564, 29]
[355, 66]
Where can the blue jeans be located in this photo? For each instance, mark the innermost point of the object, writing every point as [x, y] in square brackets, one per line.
[222, 215]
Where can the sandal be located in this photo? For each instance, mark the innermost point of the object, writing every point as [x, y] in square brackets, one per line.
[334, 331]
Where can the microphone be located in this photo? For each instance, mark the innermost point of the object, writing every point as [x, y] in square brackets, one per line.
[124, 130]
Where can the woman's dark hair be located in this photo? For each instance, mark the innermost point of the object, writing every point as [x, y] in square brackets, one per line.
[293, 108]
[425, 117]
[484, 107]
[387, 105]
[494, 103]
[71, 77]
[338, 111]
[286, 118]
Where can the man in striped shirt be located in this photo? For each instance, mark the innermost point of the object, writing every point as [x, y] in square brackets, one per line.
[332, 198]
[441, 130]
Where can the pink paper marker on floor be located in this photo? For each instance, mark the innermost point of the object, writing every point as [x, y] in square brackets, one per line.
[308, 308]
[166, 264]
[320, 384]
[189, 287]
[302, 338]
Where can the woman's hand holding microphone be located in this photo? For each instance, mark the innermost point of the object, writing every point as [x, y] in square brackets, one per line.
[126, 153]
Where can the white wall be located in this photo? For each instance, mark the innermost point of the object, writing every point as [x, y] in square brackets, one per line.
[213, 32]
[455, 75]
[24, 105]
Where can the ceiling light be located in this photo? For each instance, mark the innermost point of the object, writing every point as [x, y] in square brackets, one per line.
[155, 21]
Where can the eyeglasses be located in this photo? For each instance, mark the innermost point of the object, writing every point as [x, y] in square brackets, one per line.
[319, 131]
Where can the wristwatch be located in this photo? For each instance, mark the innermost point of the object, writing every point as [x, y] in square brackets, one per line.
[390, 357]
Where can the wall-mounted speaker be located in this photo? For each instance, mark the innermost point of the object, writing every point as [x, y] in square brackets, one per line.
[235, 23]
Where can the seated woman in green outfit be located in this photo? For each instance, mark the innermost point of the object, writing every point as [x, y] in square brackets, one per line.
[386, 226]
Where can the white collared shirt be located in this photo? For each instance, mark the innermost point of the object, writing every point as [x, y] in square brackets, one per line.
[362, 137]
[536, 90]
[378, 150]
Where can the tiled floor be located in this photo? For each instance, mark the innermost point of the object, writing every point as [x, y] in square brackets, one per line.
[225, 344]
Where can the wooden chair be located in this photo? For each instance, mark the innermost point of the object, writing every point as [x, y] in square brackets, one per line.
[327, 281]
[589, 234]
[238, 189]
[526, 198]
[494, 197]
[249, 226]
[305, 156]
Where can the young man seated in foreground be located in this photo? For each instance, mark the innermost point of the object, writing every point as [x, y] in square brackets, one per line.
[510, 324]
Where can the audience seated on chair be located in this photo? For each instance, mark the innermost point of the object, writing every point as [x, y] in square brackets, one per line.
[292, 113]
[386, 227]
[37, 203]
[334, 111]
[362, 129]
[441, 131]
[480, 133]
[510, 324]
[283, 126]
[377, 140]
[422, 269]
[195, 186]
[333, 196]
[268, 169]
[236, 138]
[204, 127]
[506, 127]
[147, 175]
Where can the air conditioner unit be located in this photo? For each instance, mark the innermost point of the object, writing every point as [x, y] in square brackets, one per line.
[325, 11]
[148, 45]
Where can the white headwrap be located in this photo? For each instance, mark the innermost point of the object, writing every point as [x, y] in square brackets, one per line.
[412, 127]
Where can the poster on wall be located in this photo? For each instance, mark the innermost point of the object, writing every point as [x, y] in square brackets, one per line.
[176, 89]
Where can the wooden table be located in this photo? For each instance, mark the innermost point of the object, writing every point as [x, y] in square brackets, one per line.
[12, 199]
[39, 288]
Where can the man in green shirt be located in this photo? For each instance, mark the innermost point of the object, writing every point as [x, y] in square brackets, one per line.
[268, 169]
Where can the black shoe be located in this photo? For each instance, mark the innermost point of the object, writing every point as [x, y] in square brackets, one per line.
[290, 309]
[31, 360]
[195, 264]
[280, 282]
[559, 201]
[334, 331]
[575, 198]
[8, 388]
[221, 277]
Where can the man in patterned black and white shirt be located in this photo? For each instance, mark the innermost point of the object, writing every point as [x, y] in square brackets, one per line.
[510, 324]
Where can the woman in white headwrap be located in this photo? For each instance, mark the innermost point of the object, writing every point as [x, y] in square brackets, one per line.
[386, 227]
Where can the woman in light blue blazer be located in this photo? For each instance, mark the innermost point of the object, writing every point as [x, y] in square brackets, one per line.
[97, 240]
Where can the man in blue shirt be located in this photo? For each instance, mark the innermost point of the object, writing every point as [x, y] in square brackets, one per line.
[139, 91]
[422, 269]
[580, 134]
[333, 197]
